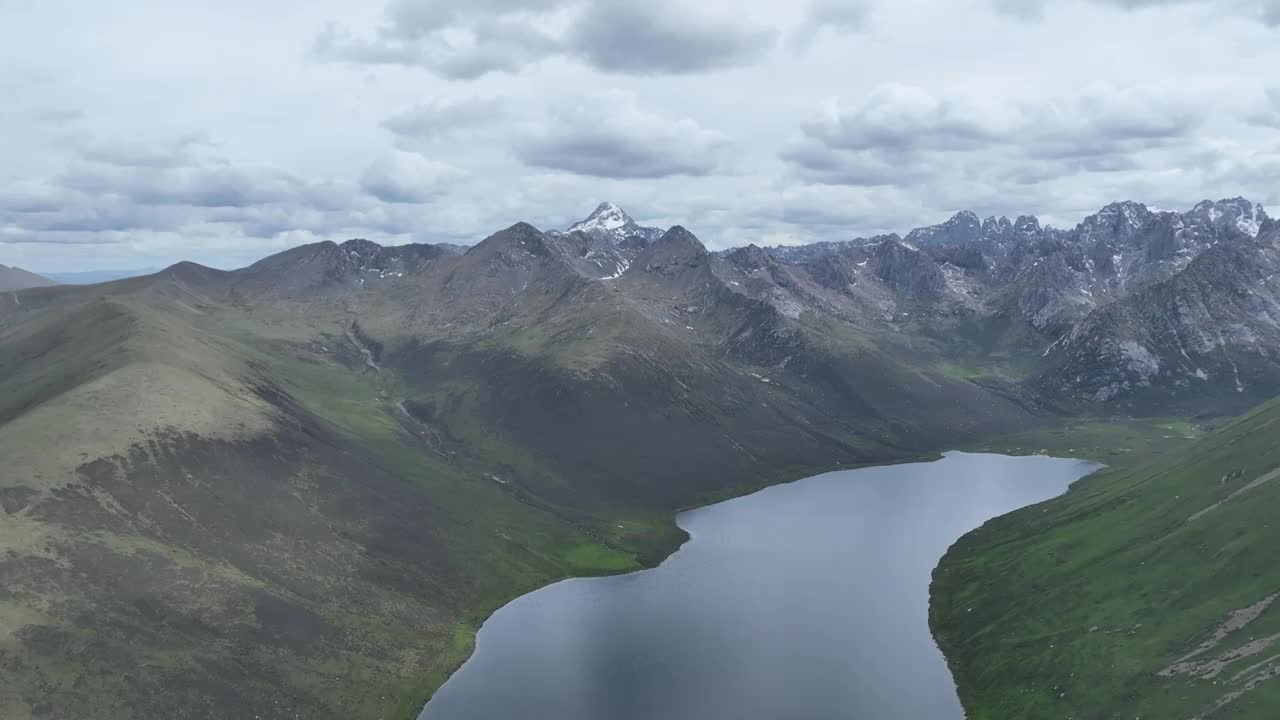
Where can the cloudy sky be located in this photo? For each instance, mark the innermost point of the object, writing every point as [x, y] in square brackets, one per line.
[136, 134]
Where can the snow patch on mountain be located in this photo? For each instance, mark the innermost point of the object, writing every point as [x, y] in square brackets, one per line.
[606, 217]
[612, 223]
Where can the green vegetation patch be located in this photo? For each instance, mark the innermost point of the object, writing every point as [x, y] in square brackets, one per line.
[1146, 591]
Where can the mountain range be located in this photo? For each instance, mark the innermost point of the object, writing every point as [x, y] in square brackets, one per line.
[93, 277]
[1132, 308]
[295, 489]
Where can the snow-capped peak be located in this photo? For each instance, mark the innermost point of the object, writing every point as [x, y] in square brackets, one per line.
[607, 217]
[609, 222]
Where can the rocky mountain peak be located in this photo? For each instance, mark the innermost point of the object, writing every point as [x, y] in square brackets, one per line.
[679, 237]
[1027, 225]
[996, 226]
[749, 259]
[1238, 213]
[1269, 230]
[907, 270]
[521, 237]
[606, 216]
[359, 248]
[964, 227]
[1124, 216]
[612, 223]
[676, 248]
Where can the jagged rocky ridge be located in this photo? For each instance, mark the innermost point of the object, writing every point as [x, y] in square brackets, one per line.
[1133, 306]
[1130, 306]
[1130, 300]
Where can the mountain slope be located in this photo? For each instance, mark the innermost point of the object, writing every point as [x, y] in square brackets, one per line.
[12, 278]
[1146, 591]
[1133, 310]
[294, 489]
[256, 529]
[1211, 330]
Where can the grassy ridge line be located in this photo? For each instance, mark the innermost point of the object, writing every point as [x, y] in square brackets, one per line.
[1073, 608]
[358, 404]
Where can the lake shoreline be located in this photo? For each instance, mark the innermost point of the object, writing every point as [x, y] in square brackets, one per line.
[675, 517]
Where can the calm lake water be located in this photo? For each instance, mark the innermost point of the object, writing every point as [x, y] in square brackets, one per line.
[806, 601]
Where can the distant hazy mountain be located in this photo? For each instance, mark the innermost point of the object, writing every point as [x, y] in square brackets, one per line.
[12, 278]
[92, 277]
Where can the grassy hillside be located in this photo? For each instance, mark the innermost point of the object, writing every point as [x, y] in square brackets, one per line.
[1146, 591]
[257, 530]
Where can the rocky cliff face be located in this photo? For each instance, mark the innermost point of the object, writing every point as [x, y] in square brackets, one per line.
[1087, 292]
[1212, 328]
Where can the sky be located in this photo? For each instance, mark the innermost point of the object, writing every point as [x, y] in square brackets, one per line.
[143, 133]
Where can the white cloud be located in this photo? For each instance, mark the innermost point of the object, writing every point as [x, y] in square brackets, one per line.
[468, 40]
[437, 118]
[136, 132]
[902, 135]
[608, 135]
[407, 178]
